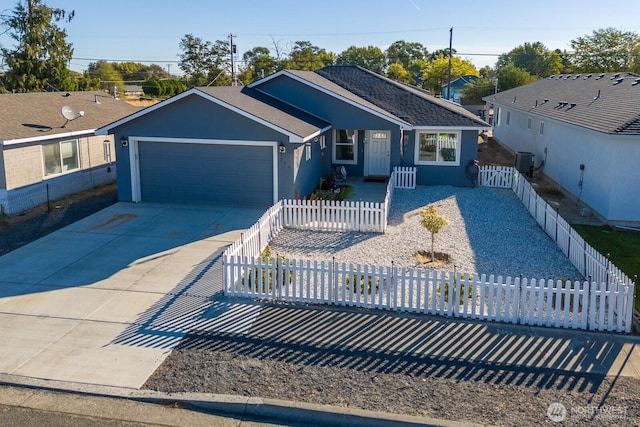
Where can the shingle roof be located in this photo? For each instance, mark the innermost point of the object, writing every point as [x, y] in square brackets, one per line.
[267, 108]
[317, 79]
[607, 102]
[30, 115]
[409, 103]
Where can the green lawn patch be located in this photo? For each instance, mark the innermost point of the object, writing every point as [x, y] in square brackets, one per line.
[622, 246]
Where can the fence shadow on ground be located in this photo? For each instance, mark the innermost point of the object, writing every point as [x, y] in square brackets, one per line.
[325, 243]
[411, 345]
[167, 321]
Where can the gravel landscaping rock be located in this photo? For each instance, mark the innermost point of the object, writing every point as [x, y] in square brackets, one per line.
[489, 232]
[488, 396]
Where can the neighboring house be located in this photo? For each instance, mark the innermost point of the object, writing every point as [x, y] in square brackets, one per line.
[456, 88]
[133, 90]
[584, 131]
[277, 137]
[44, 156]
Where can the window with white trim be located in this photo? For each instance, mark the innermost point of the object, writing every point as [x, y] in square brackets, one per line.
[529, 123]
[508, 117]
[60, 157]
[345, 146]
[437, 147]
[541, 128]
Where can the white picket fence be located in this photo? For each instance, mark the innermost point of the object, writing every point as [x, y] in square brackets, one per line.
[602, 302]
[589, 262]
[331, 215]
[578, 305]
[404, 177]
[496, 176]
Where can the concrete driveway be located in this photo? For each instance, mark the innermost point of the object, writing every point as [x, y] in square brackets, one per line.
[103, 301]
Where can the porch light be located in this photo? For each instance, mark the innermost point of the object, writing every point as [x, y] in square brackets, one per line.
[282, 148]
[124, 141]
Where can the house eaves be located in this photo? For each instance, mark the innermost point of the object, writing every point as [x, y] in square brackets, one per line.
[408, 102]
[296, 129]
[28, 117]
[47, 137]
[321, 84]
[606, 102]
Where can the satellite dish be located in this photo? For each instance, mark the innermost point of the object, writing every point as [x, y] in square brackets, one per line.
[70, 114]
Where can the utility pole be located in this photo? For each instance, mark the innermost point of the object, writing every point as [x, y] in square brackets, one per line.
[449, 78]
[232, 49]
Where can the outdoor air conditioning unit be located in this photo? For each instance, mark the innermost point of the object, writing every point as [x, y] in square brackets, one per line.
[524, 162]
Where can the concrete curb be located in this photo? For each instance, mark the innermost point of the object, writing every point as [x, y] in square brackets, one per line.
[238, 406]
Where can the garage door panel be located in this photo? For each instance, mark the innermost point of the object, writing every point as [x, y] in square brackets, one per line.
[206, 173]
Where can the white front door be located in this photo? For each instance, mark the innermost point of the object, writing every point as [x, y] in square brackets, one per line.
[377, 152]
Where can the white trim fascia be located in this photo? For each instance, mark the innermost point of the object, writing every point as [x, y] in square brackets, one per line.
[313, 135]
[293, 138]
[269, 77]
[403, 125]
[105, 129]
[47, 137]
[550, 119]
[134, 163]
[455, 128]
[416, 151]
[201, 141]
[275, 180]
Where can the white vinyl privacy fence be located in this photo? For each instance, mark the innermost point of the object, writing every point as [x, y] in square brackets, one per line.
[603, 302]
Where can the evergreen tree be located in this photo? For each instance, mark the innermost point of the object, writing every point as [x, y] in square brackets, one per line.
[38, 61]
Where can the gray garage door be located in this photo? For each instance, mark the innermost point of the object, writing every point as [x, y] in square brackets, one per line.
[206, 173]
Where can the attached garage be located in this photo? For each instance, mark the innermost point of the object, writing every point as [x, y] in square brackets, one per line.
[240, 173]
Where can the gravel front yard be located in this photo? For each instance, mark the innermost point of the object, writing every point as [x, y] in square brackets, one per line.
[489, 232]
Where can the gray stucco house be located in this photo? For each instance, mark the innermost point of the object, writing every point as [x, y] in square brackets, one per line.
[44, 155]
[584, 131]
[278, 136]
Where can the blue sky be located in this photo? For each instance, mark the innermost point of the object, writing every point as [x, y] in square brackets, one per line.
[150, 31]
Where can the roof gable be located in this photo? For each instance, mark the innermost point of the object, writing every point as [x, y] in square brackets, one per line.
[35, 116]
[322, 84]
[297, 125]
[606, 102]
[407, 102]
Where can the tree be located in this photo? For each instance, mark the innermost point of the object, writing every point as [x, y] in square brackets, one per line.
[369, 57]
[442, 52]
[433, 222]
[397, 72]
[305, 56]
[131, 71]
[405, 53]
[152, 87]
[258, 63]
[437, 72]
[473, 92]
[511, 76]
[38, 62]
[204, 62]
[85, 81]
[534, 58]
[410, 55]
[607, 50]
[567, 64]
[108, 75]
